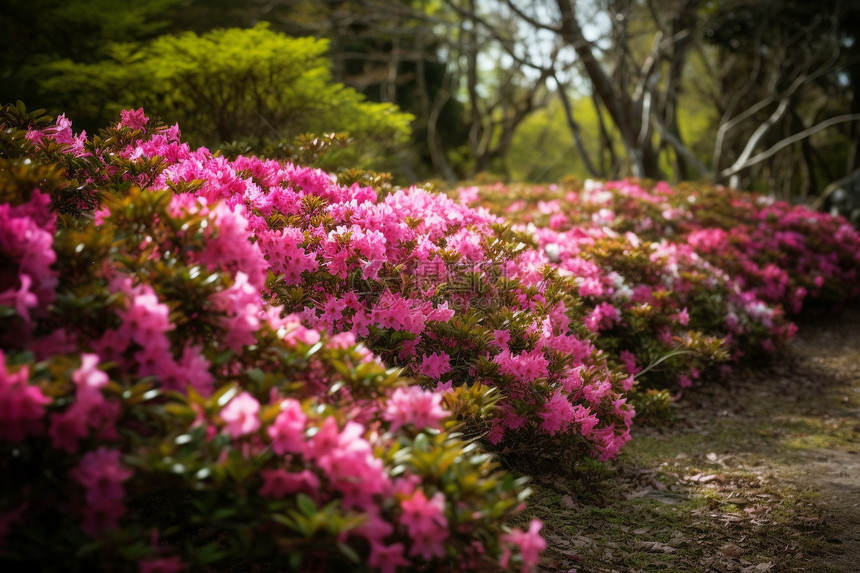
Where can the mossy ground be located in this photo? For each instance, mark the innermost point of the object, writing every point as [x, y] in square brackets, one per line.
[760, 473]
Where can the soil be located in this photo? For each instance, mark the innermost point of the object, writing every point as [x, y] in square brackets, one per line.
[759, 473]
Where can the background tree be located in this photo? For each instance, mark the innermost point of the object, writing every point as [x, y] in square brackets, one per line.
[782, 78]
[252, 85]
[36, 33]
[776, 77]
[391, 52]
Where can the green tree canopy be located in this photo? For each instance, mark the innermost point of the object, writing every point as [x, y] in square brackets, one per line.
[253, 86]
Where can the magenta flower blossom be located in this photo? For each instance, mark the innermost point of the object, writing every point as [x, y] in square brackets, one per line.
[629, 360]
[557, 413]
[435, 365]
[240, 414]
[682, 316]
[22, 406]
[281, 483]
[413, 405]
[525, 367]
[347, 459]
[89, 379]
[162, 565]
[287, 432]
[102, 475]
[146, 319]
[387, 557]
[529, 542]
[603, 317]
[425, 520]
[22, 300]
[133, 118]
[26, 240]
[242, 306]
[90, 409]
[285, 254]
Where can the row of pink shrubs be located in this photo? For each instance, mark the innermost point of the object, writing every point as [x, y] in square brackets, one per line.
[160, 409]
[210, 362]
[690, 277]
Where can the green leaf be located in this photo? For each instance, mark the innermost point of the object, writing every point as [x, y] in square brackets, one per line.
[349, 552]
[306, 504]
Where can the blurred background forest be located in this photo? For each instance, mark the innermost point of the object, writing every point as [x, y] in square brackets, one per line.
[757, 94]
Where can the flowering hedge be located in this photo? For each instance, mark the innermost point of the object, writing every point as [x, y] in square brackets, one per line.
[686, 278]
[162, 411]
[210, 363]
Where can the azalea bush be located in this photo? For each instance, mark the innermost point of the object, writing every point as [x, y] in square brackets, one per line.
[686, 279]
[161, 410]
[211, 362]
[428, 284]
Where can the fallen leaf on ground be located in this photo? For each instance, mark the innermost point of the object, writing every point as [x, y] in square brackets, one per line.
[731, 550]
[655, 546]
[666, 497]
[710, 478]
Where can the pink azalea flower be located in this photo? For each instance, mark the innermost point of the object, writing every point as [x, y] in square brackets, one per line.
[22, 300]
[67, 428]
[133, 118]
[426, 523]
[387, 557]
[241, 415]
[597, 390]
[374, 528]
[101, 473]
[325, 440]
[88, 378]
[414, 405]
[557, 413]
[280, 483]
[502, 338]
[530, 543]
[603, 317]
[287, 432]
[242, 305]
[434, 365]
[146, 319]
[683, 317]
[348, 461]
[22, 406]
[629, 361]
[163, 565]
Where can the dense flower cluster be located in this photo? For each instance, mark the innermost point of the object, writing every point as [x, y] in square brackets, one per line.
[683, 277]
[162, 408]
[428, 284]
[208, 362]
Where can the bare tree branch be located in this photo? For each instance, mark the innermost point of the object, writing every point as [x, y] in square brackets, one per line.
[681, 149]
[576, 131]
[750, 161]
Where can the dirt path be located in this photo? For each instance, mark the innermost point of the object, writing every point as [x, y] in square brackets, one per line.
[759, 474]
[830, 351]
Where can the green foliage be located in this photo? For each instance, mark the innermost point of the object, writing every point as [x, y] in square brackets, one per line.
[654, 407]
[253, 89]
[36, 33]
